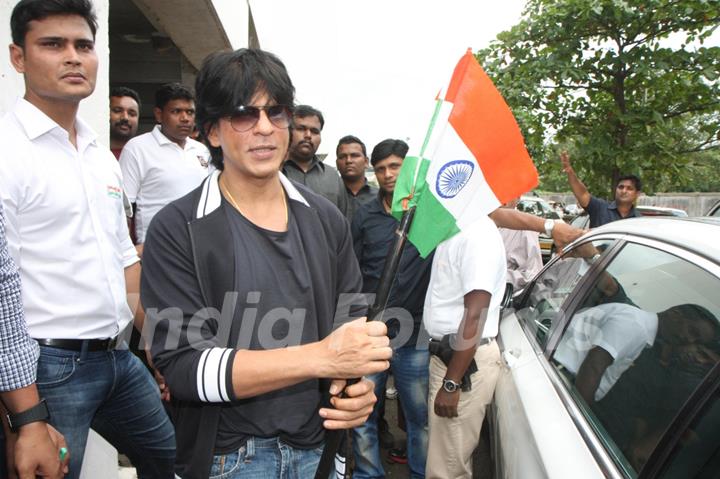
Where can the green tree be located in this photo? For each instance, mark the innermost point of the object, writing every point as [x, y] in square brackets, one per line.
[602, 79]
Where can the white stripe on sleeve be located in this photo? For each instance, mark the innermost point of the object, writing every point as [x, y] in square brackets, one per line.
[211, 372]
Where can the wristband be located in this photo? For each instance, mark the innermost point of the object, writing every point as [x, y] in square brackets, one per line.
[38, 412]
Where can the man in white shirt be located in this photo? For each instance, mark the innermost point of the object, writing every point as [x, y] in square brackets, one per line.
[164, 164]
[463, 306]
[66, 230]
[602, 342]
[522, 250]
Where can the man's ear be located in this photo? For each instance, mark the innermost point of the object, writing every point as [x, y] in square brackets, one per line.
[17, 57]
[158, 114]
[213, 137]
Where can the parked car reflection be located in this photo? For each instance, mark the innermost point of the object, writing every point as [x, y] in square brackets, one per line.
[612, 358]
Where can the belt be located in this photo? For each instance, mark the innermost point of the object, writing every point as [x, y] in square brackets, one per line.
[481, 342]
[106, 344]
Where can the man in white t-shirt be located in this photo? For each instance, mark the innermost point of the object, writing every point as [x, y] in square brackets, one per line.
[464, 297]
[164, 164]
[61, 192]
[602, 342]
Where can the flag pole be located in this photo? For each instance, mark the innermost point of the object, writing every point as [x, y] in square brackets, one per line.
[333, 438]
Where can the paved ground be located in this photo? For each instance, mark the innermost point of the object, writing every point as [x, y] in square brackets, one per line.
[482, 463]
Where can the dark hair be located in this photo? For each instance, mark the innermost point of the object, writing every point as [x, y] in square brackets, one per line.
[125, 91]
[695, 312]
[27, 11]
[229, 79]
[636, 181]
[387, 148]
[348, 139]
[302, 111]
[172, 91]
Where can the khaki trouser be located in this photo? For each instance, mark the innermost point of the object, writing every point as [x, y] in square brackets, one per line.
[451, 441]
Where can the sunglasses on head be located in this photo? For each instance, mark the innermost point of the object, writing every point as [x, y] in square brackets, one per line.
[245, 118]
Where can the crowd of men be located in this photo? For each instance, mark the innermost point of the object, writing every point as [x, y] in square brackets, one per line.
[255, 257]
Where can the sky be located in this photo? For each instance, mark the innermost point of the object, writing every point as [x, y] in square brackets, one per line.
[374, 67]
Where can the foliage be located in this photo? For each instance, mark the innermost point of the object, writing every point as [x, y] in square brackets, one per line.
[603, 79]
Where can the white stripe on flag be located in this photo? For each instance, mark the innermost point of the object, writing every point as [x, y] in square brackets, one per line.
[476, 198]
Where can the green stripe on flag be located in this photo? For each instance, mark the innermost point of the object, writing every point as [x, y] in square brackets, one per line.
[432, 222]
[405, 183]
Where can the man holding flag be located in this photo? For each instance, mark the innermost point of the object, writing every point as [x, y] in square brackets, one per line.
[472, 161]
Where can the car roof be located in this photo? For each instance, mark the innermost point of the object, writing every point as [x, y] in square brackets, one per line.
[661, 209]
[700, 234]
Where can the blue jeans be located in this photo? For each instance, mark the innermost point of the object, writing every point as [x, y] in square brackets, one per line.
[113, 393]
[261, 458]
[409, 366]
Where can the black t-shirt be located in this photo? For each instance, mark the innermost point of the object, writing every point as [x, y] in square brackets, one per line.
[276, 307]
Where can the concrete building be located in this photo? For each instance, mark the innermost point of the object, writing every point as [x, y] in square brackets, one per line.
[140, 44]
[143, 44]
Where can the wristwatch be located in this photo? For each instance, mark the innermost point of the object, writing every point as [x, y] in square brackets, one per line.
[549, 226]
[38, 412]
[450, 386]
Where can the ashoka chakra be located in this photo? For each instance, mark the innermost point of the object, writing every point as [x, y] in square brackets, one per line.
[453, 177]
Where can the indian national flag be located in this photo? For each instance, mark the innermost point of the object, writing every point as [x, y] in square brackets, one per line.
[472, 161]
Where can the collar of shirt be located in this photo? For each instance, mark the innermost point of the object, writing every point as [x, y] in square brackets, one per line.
[315, 162]
[613, 206]
[377, 206]
[36, 123]
[363, 189]
[164, 140]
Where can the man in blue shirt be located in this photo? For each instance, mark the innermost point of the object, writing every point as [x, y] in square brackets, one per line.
[602, 211]
[373, 230]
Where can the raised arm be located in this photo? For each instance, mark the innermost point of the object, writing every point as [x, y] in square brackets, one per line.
[582, 195]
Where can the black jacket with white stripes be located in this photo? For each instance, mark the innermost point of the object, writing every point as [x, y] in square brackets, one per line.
[188, 267]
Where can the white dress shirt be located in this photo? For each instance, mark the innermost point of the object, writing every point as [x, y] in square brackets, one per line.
[157, 171]
[473, 259]
[66, 226]
[624, 331]
[524, 258]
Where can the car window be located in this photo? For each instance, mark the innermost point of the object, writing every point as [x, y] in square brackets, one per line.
[531, 207]
[697, 454]
[541, 306]
[643, 338]
[580, 222]
[716, 211]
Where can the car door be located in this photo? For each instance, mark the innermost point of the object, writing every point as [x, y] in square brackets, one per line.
[533, 434]
[652, 310]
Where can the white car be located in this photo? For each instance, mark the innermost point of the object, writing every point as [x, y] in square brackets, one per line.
[612, 358]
